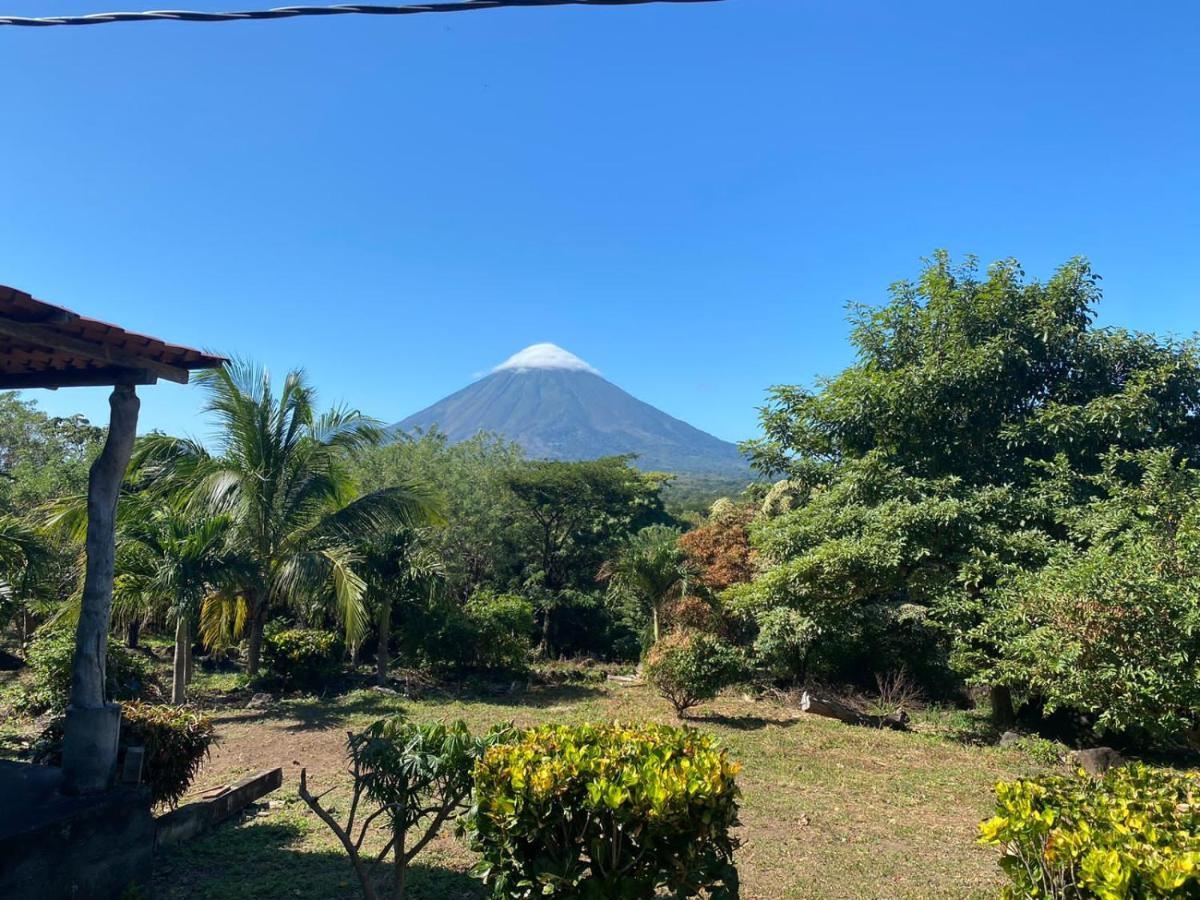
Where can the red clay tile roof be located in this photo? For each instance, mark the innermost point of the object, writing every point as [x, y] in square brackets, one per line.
[43, 345]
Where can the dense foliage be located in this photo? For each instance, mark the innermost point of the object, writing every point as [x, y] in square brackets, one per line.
[606, 811]
[1133, 833]
[954, 458]
[128, 674]
[176, 741]
[303, 657]
[42, 458]
[1110, 627]
[688, 668]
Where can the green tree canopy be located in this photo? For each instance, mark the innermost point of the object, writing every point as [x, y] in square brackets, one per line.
[922, 476]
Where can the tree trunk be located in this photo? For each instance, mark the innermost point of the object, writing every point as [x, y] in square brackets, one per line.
[400, 865]
[179, 673]
[832, 709]
[654, 617]
[544, 648]
[190, 659]
[133, 631]
[258, 619]
[382, 657]
[90, 744]
[1003, 716]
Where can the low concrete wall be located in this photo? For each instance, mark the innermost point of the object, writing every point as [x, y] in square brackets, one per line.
[54, 846]
[194, 818]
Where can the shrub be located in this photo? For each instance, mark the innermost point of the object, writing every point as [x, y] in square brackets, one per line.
[606, 811]
[688, 668]
[176, 739]
[1134, 833]
[128, 674]
[303, 657]
[409, 773]
[502, 624]
[784, 643]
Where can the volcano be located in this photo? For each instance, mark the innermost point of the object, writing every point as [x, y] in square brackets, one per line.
[556, 406]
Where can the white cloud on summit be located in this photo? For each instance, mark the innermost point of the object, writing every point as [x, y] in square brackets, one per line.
[544, 356]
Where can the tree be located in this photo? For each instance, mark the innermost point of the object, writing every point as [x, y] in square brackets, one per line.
[25, 554]
[282, 475]
[720, 546]
[174, 557]
[571, 516]
[42, 458]
[473, 543]
[1110, 628]
[917, 471]
[396, 564]
[650, 570]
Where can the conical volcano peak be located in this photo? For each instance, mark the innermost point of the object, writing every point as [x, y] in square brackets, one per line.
[556, 406]
[544, 356]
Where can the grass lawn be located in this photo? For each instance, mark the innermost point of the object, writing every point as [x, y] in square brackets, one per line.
[828, 810]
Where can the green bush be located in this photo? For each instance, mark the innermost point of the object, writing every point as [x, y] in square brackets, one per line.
[128, 674]
[784, 643]
[176, 740]
[303, 657]
[606, 811]
[503, 624]
[1133, 833]
[688, 668]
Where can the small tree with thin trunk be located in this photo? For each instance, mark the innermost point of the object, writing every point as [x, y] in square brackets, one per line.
[650, 570]
[172, 560]
[408, 774]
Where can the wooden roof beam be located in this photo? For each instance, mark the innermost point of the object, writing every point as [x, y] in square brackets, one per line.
[53, 380]
[47, 336]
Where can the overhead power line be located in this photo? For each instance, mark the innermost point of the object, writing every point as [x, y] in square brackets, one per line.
[290, 12]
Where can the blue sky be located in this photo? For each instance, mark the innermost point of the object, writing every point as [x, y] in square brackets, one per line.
[684, 196]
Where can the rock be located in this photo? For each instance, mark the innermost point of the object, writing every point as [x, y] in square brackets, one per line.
[1008, 739]
[380, 689]
[260, 701]
[1098, 760]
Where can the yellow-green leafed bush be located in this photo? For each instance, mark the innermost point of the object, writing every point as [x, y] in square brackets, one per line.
[1135, 833]
[606, 811]
[176, 740]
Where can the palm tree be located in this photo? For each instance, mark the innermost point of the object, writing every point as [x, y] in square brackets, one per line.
[396, 565]
[650, 570]
[24, 555]
[281, 474]
[171, 555]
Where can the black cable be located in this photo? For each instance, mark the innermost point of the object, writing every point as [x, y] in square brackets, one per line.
[288, 12]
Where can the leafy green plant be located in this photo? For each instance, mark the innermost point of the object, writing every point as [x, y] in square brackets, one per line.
[503, 625]
[785, 641]
[1133, 833]
[409, 774]
[303, 657]
[128, 674]
[176, 740]
[606, 811]
[688, 668]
